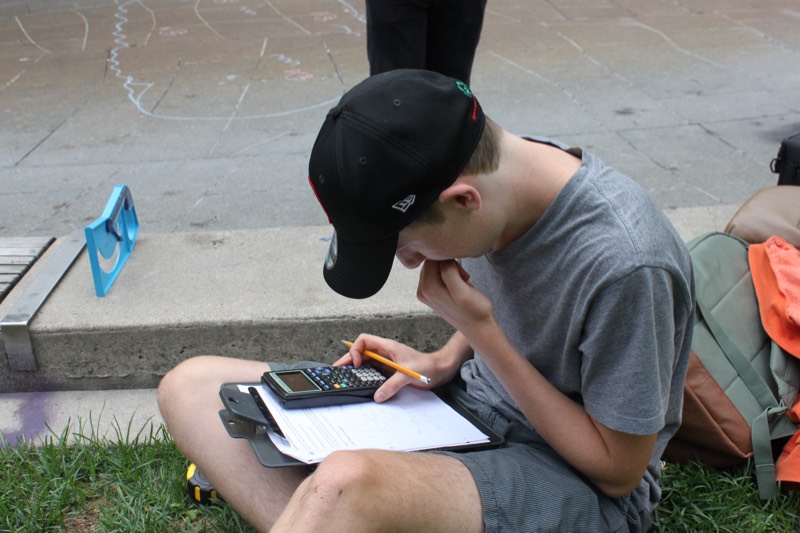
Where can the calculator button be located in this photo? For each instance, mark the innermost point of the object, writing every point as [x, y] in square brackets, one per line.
[346, 377]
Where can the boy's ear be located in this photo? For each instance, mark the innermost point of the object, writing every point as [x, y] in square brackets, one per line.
[463, 195]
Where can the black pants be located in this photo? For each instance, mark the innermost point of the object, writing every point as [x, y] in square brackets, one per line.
[438, 35]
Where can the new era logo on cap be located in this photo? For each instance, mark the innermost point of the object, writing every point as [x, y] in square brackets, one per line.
[405, 203]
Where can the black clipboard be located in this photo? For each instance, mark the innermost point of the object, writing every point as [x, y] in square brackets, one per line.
[245, 417]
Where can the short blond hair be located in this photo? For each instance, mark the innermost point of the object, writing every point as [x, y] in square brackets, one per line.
[486, 157]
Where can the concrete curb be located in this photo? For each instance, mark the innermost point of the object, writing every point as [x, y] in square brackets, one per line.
[186, 294]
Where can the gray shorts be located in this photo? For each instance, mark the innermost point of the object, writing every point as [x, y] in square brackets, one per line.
[526, 486]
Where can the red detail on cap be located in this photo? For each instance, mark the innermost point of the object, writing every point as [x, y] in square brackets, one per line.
[318, 199]
[474, 108]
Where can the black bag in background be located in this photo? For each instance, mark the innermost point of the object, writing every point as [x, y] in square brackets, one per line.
[787, 164]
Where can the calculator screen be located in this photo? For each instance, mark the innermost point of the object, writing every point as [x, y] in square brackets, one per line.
[297, 381]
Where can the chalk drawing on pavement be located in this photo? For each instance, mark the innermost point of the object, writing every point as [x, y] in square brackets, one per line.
[137, 87]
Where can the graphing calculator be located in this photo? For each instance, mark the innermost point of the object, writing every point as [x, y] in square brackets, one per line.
[321, 386]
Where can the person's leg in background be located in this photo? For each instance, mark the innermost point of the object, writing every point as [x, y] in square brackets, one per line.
[437, 35]
[396, 34]
[454, 30]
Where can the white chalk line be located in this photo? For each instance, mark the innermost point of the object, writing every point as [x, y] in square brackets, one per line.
[137, 89]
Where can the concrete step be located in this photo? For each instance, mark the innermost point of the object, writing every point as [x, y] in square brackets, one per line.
[256, 294]
[252, 293]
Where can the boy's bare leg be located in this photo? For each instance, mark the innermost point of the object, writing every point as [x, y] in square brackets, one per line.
[372, 490]
[188, 397]
[366, 490]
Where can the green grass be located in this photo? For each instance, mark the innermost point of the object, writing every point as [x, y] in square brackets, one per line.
[134, 482]
[697, 498]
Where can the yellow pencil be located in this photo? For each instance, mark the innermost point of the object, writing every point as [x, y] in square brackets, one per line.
[391, 363]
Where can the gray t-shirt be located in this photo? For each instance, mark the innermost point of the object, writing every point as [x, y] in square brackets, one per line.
[598, 296]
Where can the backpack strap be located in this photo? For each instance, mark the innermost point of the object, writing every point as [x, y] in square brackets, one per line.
[762, 453]
[759, 428]
[754, 382]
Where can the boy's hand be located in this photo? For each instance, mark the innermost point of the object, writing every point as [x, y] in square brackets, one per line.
[399, 353]
[444, 287]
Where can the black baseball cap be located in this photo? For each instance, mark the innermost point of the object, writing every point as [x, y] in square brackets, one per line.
[384, 153]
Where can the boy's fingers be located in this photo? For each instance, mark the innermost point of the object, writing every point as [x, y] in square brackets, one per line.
[346, 359]
[396, 382]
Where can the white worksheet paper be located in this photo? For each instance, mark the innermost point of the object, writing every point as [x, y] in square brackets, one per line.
[412, 420]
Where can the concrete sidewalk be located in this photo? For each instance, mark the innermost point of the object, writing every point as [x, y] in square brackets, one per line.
[208, 110]
[75, 415]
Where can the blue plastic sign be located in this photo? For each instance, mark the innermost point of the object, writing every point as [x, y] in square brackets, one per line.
[114, 232]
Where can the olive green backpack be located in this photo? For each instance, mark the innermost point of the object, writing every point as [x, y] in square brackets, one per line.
[739, 383]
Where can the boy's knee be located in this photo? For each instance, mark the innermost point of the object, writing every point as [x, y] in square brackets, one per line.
[181, 379]
[199, 378]
[346, 476]
[184, 367]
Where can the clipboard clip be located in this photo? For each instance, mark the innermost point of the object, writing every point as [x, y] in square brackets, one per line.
[113, 233]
